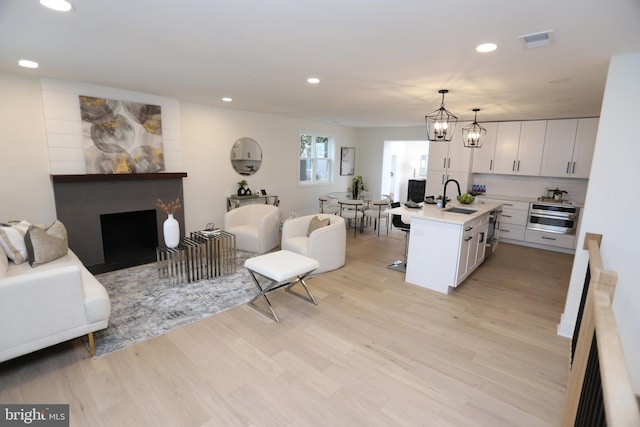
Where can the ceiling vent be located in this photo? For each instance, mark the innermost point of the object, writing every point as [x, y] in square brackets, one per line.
[535, 40]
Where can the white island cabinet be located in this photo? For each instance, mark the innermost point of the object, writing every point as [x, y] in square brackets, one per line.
[445, 247]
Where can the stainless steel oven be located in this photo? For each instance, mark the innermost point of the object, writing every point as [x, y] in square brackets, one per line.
[553, 218]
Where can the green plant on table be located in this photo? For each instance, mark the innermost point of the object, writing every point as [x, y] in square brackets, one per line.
[557, 192]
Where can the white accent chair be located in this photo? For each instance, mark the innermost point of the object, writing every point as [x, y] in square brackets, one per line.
[327, 244]
[256, 227]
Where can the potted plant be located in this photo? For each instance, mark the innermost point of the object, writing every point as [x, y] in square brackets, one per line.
[557, 193]
[243, 190]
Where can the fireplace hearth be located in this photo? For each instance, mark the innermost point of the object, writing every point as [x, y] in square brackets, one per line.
[85, 202]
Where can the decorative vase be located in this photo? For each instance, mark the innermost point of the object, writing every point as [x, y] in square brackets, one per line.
[171, 230]
[354, 193]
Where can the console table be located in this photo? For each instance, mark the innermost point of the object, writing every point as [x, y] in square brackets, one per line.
[200, 256]
[234, 201]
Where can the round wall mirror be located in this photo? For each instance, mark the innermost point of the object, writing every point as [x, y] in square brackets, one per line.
[246, 156]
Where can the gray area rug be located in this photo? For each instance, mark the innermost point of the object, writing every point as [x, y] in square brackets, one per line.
[144, 306]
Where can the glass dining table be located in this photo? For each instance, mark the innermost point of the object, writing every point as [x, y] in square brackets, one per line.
[363, 195]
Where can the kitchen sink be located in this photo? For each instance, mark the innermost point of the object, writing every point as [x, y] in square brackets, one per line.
[461, 210]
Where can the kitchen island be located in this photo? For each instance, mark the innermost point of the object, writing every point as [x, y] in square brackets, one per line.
[445, 246]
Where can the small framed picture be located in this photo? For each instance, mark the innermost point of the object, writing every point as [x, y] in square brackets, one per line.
[263, 192]
[347, 160]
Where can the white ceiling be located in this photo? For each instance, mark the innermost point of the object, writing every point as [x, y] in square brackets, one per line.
[381, 62]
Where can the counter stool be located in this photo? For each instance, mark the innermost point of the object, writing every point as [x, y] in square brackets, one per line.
[396, 221]
[282, 269]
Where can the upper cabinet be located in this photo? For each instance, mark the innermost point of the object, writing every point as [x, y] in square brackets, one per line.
[519, 147]
[483, 158]
[568, 148]
[450, 156]
[448, 160]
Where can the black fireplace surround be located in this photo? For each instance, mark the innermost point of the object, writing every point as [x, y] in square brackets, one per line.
[85, 202]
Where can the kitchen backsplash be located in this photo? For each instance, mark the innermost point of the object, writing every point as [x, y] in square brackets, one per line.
[530, 186]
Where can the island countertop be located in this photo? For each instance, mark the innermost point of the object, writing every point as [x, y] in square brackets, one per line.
[431, 212]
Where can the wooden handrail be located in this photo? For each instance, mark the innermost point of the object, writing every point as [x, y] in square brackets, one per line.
[598, 320]
[619, 399]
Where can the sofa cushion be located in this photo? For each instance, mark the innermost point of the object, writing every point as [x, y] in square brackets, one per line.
[316, 223]
[44, 245]
[12, 241]
[4, 263]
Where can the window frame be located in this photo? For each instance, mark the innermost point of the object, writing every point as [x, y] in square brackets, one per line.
[331, 158]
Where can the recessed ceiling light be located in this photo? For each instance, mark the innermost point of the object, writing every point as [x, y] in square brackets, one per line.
[313, 80]
[59, 5]
[27, 63]
[486, 47]
[227, 99]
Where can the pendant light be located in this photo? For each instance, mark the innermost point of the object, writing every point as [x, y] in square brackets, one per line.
[473, 134]
[441, 123]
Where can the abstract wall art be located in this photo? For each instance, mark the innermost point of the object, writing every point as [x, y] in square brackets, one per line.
[347, 160]
[121, 137]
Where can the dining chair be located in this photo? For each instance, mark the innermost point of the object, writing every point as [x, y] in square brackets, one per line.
[352, 209]
[327, 206]
[378, 211]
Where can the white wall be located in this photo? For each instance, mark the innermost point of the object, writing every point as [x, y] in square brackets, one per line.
[60, 99]
[407, 155]
[612, 206]
[25, 187]
[369, 158]
[198, 141]
[208, 133]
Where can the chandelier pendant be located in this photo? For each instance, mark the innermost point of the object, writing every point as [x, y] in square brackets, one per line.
[441, 123]
[473, 134]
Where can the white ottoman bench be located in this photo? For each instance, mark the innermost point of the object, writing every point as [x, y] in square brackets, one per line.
[281, 268]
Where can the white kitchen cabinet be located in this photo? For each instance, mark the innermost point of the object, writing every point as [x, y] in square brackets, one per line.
[436, 180]
[558, 147]
[450, 160]
[568, 147]
[519, 147]
[551, 239]
[450, 156]
[438, 156]
[443, 254]
[459, 155]
[584, 147]
[472, 246]
[483, 157]
[513, 221]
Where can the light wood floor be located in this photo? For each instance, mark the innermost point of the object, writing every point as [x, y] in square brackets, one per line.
[376, 351]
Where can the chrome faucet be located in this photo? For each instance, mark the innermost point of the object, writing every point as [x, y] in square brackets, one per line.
[444, 192]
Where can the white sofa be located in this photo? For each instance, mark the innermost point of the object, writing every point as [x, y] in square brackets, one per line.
[48, 304]
[256, 227]
[327, 245]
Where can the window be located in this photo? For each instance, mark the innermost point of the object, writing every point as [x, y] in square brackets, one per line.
[316, 159]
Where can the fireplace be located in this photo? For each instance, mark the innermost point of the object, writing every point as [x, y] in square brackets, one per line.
[128, 238]
[85, 202]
